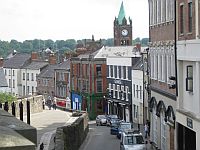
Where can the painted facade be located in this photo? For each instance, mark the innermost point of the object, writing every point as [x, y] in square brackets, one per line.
[188, 63]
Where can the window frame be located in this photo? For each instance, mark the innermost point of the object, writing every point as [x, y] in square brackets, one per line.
[189, 78]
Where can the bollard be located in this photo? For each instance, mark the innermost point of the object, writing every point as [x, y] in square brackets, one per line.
[0, 105]
[21, 111]
[13, 108]
[28, 111]
[6, 106]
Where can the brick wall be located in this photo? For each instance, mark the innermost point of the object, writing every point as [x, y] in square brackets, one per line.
[162, 32]
[186, 35]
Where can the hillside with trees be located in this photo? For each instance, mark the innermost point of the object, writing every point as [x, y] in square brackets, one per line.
[62, 46]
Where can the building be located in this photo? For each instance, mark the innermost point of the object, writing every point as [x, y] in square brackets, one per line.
[88, 83]
[162, 103]
[13, 70]
[29, 75]
[122, 29]
[137, 92]
[120, 60]
[188, 69]
[46, 81]
[3, 82]
[62, 84]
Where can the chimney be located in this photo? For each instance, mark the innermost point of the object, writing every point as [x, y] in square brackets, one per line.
[1, 62]
[52, 59]
[34, 56]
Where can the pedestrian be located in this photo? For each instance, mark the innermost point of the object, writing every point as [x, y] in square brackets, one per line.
[42, 146]
[146, 130]
[54, 103]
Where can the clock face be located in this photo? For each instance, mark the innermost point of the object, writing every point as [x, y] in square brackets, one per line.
[124, 32]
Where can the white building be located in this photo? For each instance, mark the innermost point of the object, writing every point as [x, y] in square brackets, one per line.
[3, 82]
[188, 70]
[137, 93]
[12, 70]
[29, 77]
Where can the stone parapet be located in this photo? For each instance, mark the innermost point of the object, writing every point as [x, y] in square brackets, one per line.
[10, 122]
[71, 136]
[11, 140]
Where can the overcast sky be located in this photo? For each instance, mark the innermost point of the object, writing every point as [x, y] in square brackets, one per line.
[68, 19]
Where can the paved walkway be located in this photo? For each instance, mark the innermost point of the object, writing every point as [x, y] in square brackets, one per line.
[46, 123]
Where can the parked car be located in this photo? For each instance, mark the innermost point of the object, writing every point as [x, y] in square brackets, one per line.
[132, 140]
[123, 126]
[114, 128]
[109, 118]
[101, 120]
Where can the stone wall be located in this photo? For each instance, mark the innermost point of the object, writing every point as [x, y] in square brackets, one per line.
[35, 105]
[71, 136]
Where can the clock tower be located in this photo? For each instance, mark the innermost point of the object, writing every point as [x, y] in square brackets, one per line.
[122, 29]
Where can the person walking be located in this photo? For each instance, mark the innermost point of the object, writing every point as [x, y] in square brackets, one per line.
[146, 130]
[54, 103]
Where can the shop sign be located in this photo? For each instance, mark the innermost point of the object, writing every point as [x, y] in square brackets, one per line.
[189, 123]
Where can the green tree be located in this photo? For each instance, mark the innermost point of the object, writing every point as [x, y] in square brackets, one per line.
[7, 97]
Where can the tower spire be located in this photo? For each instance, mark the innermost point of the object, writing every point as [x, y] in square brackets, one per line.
[121, 14]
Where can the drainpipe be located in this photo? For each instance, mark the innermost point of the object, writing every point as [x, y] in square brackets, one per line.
[175, 47]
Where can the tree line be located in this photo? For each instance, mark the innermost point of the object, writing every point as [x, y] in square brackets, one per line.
[62, 46]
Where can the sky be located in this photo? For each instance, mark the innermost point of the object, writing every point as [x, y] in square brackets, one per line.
[68, 19]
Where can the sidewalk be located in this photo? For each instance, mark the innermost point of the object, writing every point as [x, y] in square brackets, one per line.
[141, 128]
[46, 124]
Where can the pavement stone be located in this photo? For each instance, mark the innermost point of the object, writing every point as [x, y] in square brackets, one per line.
[46, 123]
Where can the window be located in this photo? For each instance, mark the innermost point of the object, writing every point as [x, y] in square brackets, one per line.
[140, 92]
[23, 76]
[32, 89]
[134, 90]
[9, 73]
[32, 77]
[113, 90]
[5, 72]
[190, 17]
[126, 72]
[13, 83]
[122, 92]
[27, 76]
[99, 85]
[181, 19]
[9, 83]
[118, 71]
[23, 90]
[98, 70]
[189, 79]
[13, 73]
[137, 90]
[111, 71]
[28, 89]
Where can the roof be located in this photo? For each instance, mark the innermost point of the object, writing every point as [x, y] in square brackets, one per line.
[121, 14]
[64, 65]
[118, 51]
[17, 61]
[35, 65]
[3, 82]
[48, 72]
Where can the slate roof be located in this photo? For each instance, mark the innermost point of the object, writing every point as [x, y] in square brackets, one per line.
[3, 82]
[48, 72]
[35, 65]
[17, 61]
[64, 65]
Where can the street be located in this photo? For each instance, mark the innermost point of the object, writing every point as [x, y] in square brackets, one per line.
[99, 138]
